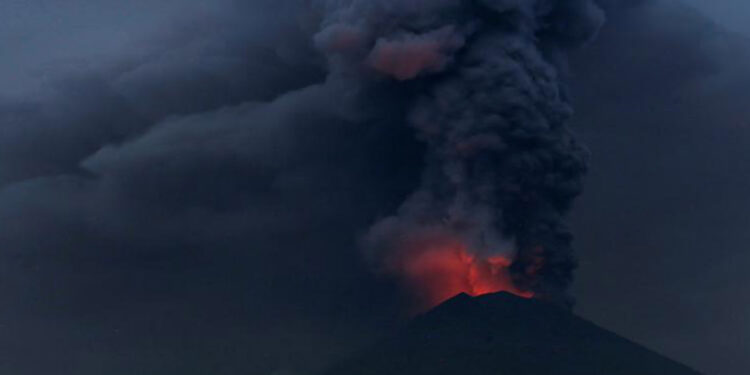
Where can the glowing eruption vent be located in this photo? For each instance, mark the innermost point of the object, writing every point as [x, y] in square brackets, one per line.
[435, 272]
[480, 86]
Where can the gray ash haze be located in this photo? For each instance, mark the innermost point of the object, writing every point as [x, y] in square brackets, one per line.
[221, 189]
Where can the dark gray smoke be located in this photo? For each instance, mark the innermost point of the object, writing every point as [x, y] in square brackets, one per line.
[194, 200]
[209, 188]
[486, 96]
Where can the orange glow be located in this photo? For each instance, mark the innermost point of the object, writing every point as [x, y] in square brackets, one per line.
[435, 272]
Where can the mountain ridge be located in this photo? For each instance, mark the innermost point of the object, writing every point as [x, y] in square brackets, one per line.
[502, 334]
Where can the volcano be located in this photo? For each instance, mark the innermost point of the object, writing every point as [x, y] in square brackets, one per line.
[503, 334]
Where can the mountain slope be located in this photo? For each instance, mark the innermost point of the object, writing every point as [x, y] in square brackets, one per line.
[501, 334]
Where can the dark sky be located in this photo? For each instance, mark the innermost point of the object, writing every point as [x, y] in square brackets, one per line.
[182, 190]
[662, 226]
[731, 14]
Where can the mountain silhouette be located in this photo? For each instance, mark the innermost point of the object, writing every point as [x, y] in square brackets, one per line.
[502, 334]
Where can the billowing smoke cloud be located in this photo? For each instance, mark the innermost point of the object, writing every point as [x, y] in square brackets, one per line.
[487, 98]
[198, 202]
[215, 188]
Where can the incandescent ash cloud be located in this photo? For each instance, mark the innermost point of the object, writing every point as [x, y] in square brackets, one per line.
[486, 97]
[192, 202]
[241, 157]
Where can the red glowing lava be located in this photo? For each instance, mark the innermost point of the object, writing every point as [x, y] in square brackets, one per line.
[435, 272]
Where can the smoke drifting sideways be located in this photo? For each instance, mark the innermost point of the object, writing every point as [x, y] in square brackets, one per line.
[486, 97]
[192, 206]
[255, 156]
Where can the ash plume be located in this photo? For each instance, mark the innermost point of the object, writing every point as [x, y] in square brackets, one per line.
[189, 187]
[486, 97]
[246, 156]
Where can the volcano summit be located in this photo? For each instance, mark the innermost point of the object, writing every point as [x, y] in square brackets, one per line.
[502, 334]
